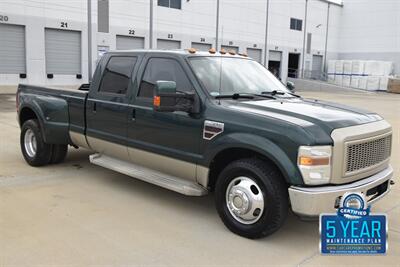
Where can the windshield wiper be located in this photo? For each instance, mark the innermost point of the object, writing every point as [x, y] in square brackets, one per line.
[273, 92]
[234, 96]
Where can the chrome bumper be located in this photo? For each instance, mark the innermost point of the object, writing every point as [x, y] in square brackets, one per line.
[312, 201]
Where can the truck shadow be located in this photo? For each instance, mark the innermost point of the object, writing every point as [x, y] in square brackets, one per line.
[203, 208]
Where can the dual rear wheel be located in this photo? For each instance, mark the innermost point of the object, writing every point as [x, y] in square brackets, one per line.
[35, 151]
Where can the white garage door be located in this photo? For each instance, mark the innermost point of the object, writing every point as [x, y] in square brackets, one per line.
[129, 42]
[255, 54]
[275, 56]
[201, 46]
[168, 44]
[228, 47]
[12, 49]
[63, 51]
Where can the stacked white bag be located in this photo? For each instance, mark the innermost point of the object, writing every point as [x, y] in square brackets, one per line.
[331, 71]
[369, 75]
[339, 72]
[347, 70]
[357, 72]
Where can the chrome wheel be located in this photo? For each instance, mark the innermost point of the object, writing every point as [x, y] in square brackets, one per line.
[244, 200]
[30, 143]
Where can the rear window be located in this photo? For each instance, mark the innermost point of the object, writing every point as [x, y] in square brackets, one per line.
[117, 75]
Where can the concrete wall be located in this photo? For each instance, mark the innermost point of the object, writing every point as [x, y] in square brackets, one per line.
[370, 30]
[36, 16]
[242, 24]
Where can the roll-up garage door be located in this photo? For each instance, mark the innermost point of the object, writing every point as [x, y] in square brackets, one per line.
[228, 47]
[316, 67]
[255, 54]
[201, 46]
[168, 44]
[275, 55]
[129, 42]
[63, 51]
[12, 49]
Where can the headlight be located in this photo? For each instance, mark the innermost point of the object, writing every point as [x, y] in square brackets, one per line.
[314, 163]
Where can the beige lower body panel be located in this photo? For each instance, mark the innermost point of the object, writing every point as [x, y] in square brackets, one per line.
[78, 139]
[160, 163]
[163, 164]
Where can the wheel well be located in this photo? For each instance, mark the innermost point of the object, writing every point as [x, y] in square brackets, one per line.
[26, 114]
[223, 158]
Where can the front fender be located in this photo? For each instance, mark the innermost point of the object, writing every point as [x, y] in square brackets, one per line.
[52, 113]
[260, 145]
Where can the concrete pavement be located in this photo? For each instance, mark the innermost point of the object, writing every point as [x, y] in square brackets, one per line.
[78, 214]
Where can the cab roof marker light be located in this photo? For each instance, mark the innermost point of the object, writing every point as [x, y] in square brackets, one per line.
[222, 51]
[192, 50]
[232, 52]
[212, 51]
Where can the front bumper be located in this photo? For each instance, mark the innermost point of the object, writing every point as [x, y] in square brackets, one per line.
[312, 201]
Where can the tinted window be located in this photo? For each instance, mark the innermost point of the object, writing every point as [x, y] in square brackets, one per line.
[163, 69]
[175, 4]
[296, 24]
[170, 3]
[163, 3]
[117, 75]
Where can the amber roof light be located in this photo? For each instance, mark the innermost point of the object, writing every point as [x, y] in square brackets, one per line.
[192, 50]
[222, 51]
[212, 51]
[232, 52]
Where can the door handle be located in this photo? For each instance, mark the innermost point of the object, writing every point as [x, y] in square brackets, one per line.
[94, 107]
[133, 114]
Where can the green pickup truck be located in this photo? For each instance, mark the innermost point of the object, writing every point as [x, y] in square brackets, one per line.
[199, 122]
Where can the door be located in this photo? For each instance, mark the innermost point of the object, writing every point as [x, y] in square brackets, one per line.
[255, 54]
[129, 42]
[63, 52]
[274, 63]
[316, 67]
[227, 48]
[168, 44]
[164, 141]
[293, 65]
[201, 46]
[107, 108]
[12, 49]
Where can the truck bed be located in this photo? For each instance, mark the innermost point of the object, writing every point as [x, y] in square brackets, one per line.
[64, 108]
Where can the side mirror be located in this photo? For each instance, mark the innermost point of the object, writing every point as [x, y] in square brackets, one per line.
[167, 99]
[290, 85]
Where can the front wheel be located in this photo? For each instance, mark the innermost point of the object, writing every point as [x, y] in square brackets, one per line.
[35, 151]
[251, 198]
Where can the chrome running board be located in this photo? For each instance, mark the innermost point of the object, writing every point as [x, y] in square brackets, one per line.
[173, 183]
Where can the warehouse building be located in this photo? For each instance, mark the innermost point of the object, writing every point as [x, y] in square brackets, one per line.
[59, 42]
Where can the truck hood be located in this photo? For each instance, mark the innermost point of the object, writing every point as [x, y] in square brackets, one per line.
[306, 112]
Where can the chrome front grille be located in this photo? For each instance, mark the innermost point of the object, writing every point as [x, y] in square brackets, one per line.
[367, 153]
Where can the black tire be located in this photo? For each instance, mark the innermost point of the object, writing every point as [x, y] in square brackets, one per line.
[273, 187]
[43, 151]
[59, 152]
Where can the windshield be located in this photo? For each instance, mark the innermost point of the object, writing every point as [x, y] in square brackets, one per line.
[228, 75]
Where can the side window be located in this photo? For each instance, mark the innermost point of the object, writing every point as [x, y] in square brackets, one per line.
[117, 75]
[163, 69]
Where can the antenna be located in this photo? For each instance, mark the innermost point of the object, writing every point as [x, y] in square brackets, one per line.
[220, 79]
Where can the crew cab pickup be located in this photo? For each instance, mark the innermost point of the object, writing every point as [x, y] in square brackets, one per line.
[199, 122]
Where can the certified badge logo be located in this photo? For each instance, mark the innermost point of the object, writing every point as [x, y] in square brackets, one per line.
[353, 229]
